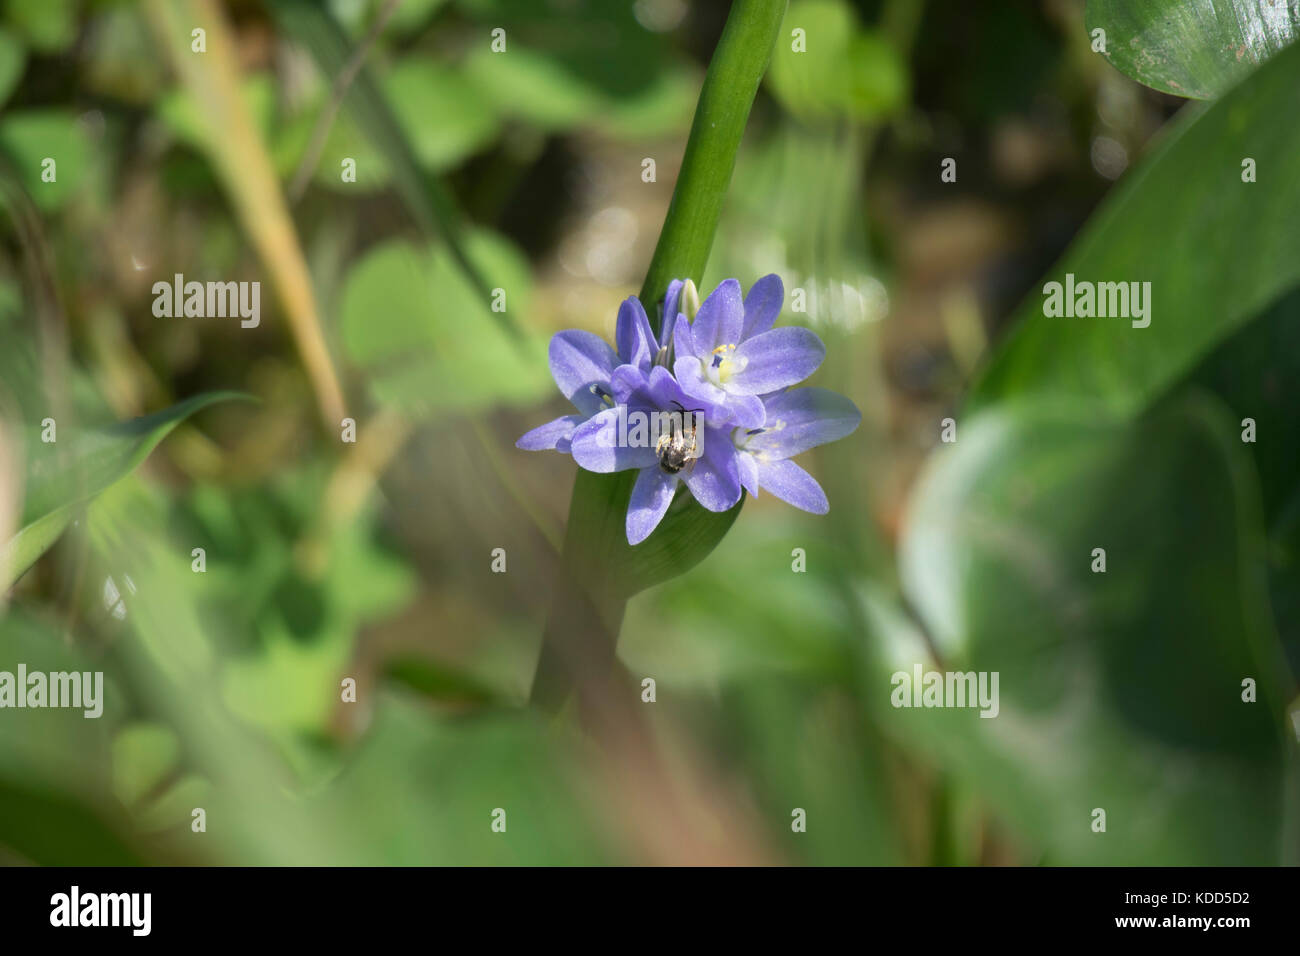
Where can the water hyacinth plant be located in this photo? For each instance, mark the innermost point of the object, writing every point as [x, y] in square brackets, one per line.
[730, 365]
[657, 366]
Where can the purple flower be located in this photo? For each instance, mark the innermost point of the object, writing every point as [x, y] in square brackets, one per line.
[597, 445]
[730, 355]
[731, 421]
[796, 421]
[582, 363]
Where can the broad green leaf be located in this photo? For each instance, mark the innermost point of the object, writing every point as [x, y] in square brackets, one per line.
[64, 474]
[1192, 48]
[425, 336]
[1119, 689]
[1216, 251]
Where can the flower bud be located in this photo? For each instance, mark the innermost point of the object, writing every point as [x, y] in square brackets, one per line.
[690, 300]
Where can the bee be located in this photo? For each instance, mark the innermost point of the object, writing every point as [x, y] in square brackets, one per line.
[678, 449]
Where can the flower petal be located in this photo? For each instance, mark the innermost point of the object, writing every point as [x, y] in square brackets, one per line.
[683, 341]
[747, 469]
[803, 418]
[693, 381]
[544, 437]
[599, 444]
[776, 359]
[579, 360]
[762, 305]
[668, 393]
[721, 317]
[636, 342]
[714, 479]
[746, 411]
[671, 301]
[793, 485]
[630, 386]
[651, 496]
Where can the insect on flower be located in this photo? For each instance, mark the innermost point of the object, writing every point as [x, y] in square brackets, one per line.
[679, 447]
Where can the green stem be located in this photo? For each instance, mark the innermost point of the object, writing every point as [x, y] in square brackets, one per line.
[735, 71]
[588, 603]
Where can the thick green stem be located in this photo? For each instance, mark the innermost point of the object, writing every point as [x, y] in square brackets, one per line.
[588, 602]
[735, 71]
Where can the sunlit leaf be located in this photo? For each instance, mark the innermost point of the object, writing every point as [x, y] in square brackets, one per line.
[1193, 48]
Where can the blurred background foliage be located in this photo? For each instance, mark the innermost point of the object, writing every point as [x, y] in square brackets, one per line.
[522, 171]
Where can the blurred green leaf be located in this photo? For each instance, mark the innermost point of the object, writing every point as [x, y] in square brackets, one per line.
[143, 754]
[1257, 374]
[418, 88]
[532, 86]
[73, 469]
[712, 626]
[13, 58]
[662, 110]
[1192, 48]
[834, 68]
[182, 113]
[1119, 689]
[1216, 251]
[439, 781]
[48, 25]
[428, 201]
[804, 744]
[424, 335]
[685, 537]
[438, 682]
[29, 137]
[600, 46]
[56, 806]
